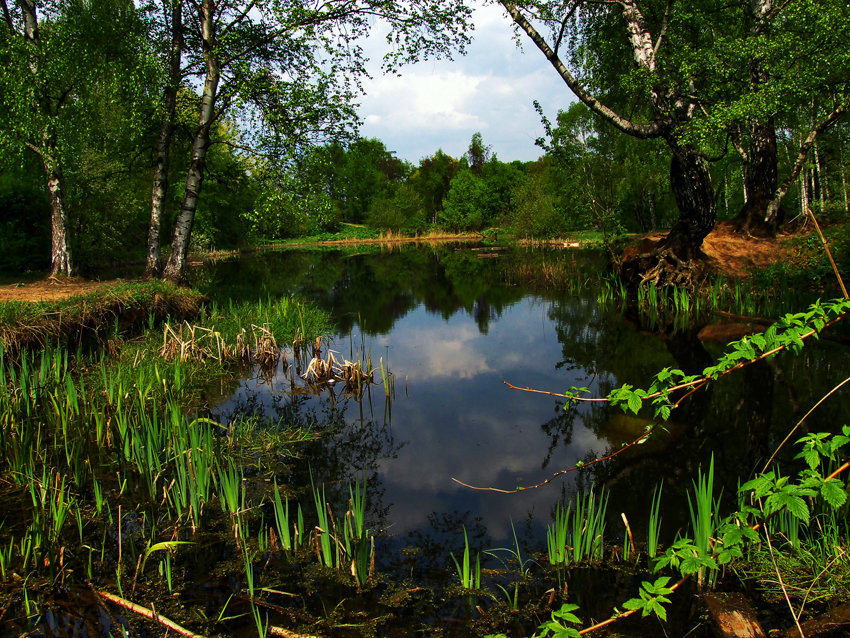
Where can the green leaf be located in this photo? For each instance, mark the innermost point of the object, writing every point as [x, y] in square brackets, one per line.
[633, 604]
[833, 493]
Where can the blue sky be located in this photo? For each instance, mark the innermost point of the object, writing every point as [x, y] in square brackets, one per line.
[440, 104]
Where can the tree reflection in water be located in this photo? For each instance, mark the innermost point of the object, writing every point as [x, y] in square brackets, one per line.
[454, 327]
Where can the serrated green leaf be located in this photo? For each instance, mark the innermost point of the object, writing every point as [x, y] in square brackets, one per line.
[633, 603]
[833, 493]
[690, 565]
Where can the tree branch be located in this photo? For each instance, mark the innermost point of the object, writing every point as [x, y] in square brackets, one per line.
[663, 32]
[147, 613]
[236, 20]
[8, 16]
[642, 131]
[560, 472]
[805, 147]
[690, 387]
[564, 22]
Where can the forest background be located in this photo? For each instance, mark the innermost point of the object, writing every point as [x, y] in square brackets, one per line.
[89, 89]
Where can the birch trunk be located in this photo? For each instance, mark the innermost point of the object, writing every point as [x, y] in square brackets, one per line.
[843, 177]
[775, 204]
[673, 107]
[48, 150]
[153, 267]
[761, 179]
[175, 267]
[762, 174]
[60, 250]
[822, 195]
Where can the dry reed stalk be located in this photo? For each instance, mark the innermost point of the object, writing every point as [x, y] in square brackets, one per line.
[266, 353]
[321, 370]
[198, 344]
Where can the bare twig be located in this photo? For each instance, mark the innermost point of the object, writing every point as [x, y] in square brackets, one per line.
[782, 585]
[560, 473]
[816, 578]
[828, 252]
[800, 422]
[147, 613]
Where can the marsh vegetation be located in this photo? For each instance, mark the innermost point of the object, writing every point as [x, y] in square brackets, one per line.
[266, 465]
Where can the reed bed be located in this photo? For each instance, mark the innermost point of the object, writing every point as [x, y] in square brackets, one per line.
[679, 307]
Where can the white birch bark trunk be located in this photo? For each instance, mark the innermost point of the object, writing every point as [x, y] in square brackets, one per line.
[175, 267]
[48, 150]
[159, 190]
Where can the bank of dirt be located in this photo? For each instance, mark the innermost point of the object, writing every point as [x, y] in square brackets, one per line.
[727, 252]
[51, 289]
[73, 311]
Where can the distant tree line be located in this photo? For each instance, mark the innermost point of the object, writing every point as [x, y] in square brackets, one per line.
[129, 127]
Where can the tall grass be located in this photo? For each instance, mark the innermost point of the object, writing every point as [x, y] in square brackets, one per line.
[469, 574]
[705, 513]
[680, 307]
[653, 532]
[578, 535]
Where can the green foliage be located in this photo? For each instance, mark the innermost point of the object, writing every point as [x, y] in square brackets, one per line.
[283, 212]
[463, 208]
[653, 597]
[558, 626]
[537, 212]
[433, 179]
[398, 210]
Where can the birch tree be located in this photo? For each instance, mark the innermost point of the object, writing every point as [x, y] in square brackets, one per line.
[171, 30]
[51, 55]
[289, 71]
[661, 84]
[702, 74]
[795, 55]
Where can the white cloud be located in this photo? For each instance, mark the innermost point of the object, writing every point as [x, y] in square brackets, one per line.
[441, 103]
[420, 99]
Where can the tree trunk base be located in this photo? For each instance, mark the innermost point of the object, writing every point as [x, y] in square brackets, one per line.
[750, 221]
[667, 264]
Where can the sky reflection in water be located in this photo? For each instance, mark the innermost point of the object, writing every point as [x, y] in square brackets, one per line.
[453, 416]
[452, 332]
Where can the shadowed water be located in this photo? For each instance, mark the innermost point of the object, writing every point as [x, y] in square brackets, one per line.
[452, 325]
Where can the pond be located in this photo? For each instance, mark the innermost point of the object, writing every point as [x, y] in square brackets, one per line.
[454, 323]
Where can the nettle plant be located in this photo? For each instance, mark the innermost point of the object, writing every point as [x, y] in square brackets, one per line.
[770, 495]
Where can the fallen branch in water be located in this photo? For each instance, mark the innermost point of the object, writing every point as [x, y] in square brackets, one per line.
[147, 613]
[817, 317]
[637, 441]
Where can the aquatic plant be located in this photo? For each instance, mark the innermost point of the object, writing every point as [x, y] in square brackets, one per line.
[705, 513]
[288, 539]
[654, 528]
[579, 535]
[469, 575]
[520, 571]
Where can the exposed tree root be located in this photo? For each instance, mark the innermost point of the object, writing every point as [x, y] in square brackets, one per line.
[663, 268]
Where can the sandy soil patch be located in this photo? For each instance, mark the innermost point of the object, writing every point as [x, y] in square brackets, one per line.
[51, 289]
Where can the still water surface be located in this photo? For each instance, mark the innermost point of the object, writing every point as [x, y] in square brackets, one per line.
[453, 324]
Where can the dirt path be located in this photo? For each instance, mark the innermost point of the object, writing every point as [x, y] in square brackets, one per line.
[50, 289]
